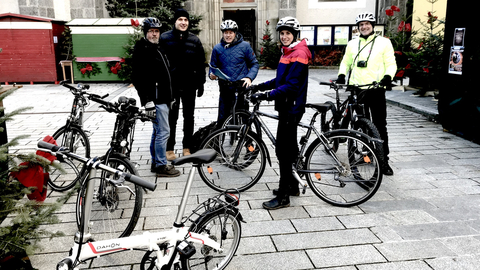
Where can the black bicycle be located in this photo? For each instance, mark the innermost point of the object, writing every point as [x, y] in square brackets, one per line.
[341, 166]
[351, 114]
[74, 137]
[114, 207]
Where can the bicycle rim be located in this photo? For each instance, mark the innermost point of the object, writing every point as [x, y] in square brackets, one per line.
[222, 227]
[77, 142]
[227, 173]
[115, 211]
[355, 180]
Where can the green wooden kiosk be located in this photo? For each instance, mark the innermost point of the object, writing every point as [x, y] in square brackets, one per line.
[99, 43]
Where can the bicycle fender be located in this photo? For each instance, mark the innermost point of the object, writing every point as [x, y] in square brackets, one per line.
[355, 133]
[262, 145]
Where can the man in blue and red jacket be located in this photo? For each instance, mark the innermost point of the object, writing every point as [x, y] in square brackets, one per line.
[290, 95]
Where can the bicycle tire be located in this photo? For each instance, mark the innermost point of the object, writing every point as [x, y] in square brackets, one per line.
[353, 183]
[367, 127]
[241, 118]
[115, 211]
[77, 142]
[223, 174]
[221, 226]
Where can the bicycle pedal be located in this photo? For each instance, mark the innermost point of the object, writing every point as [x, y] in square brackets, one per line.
[88, 133]
[186, 249]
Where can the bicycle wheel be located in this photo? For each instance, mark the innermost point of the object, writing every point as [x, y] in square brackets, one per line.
[227, 172]
[366, 126]
[222, 227]
[352, 180]
[241, 117]
[115, 210]
[76, 140]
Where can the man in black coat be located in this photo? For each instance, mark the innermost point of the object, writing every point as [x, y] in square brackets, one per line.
[187, 65]
[151, 78]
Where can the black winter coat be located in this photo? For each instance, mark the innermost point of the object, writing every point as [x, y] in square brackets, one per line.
[187, 59]
[151, 75]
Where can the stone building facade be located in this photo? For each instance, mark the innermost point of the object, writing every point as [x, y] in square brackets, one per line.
[316, 15]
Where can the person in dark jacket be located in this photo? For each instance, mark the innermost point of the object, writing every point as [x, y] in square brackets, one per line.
[290, 95]
[187, 66]
[235, 58]
[151, 78]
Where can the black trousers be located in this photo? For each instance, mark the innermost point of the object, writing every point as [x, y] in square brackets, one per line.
[286, 149]
[187, 98]
[376, 103]
[227, 100]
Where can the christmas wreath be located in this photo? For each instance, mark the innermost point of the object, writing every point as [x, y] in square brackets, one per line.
[88, 69]
[115, 66]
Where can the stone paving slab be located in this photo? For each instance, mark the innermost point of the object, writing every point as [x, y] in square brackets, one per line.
[426, 216]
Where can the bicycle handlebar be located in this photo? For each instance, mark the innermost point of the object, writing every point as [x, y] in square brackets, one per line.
[351, 87]
[129, 177]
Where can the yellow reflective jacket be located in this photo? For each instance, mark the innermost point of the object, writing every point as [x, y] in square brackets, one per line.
[380, 63]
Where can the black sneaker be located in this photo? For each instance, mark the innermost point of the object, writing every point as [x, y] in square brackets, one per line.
[166, 171]
[387, 170]
[277, 203]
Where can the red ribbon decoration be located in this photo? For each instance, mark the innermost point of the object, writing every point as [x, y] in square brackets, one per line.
[87, 68]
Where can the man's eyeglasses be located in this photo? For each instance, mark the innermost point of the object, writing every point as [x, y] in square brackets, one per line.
[153, 31]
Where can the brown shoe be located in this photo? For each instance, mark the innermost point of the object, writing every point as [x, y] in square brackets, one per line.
[186, 152]
[167, 171]
[171, 155]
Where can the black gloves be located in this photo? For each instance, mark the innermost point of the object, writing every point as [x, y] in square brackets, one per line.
[256, 87]
[387, 82]
[340, 79]
[260, 96]
[253, 88]
[200, 91]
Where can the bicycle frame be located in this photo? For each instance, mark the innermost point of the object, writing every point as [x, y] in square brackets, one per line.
[256, 115]
[85, 248]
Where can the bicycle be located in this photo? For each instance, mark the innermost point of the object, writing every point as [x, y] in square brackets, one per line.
[350, 113]
[214, 233]
[114, 207]
[72, 136]
[341, 166]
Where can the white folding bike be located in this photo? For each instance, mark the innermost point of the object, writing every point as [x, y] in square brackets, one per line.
[210, 242]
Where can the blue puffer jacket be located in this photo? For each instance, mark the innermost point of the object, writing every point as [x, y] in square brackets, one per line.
[236, 60]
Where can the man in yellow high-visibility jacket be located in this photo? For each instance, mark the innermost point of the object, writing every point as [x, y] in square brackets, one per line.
[370, 58]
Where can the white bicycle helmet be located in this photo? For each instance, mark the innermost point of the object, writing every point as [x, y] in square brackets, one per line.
[289, 23]
[229, 25]
[365, 17]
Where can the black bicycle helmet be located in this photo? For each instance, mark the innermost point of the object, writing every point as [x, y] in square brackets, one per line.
[150, 23]
[229, 25]
[289, 23]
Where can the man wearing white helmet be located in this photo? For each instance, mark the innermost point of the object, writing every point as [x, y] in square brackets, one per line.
[370, 58]
[289, 91]
[236, 59]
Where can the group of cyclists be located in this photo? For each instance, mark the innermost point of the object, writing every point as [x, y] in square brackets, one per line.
[368, 58]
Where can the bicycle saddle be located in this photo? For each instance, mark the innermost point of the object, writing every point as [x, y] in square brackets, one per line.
[321, 107]
[202, 156]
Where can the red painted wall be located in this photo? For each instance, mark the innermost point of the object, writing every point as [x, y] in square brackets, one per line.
[27, 55]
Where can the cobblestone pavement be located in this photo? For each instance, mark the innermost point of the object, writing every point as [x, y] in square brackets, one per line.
[426, 216]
